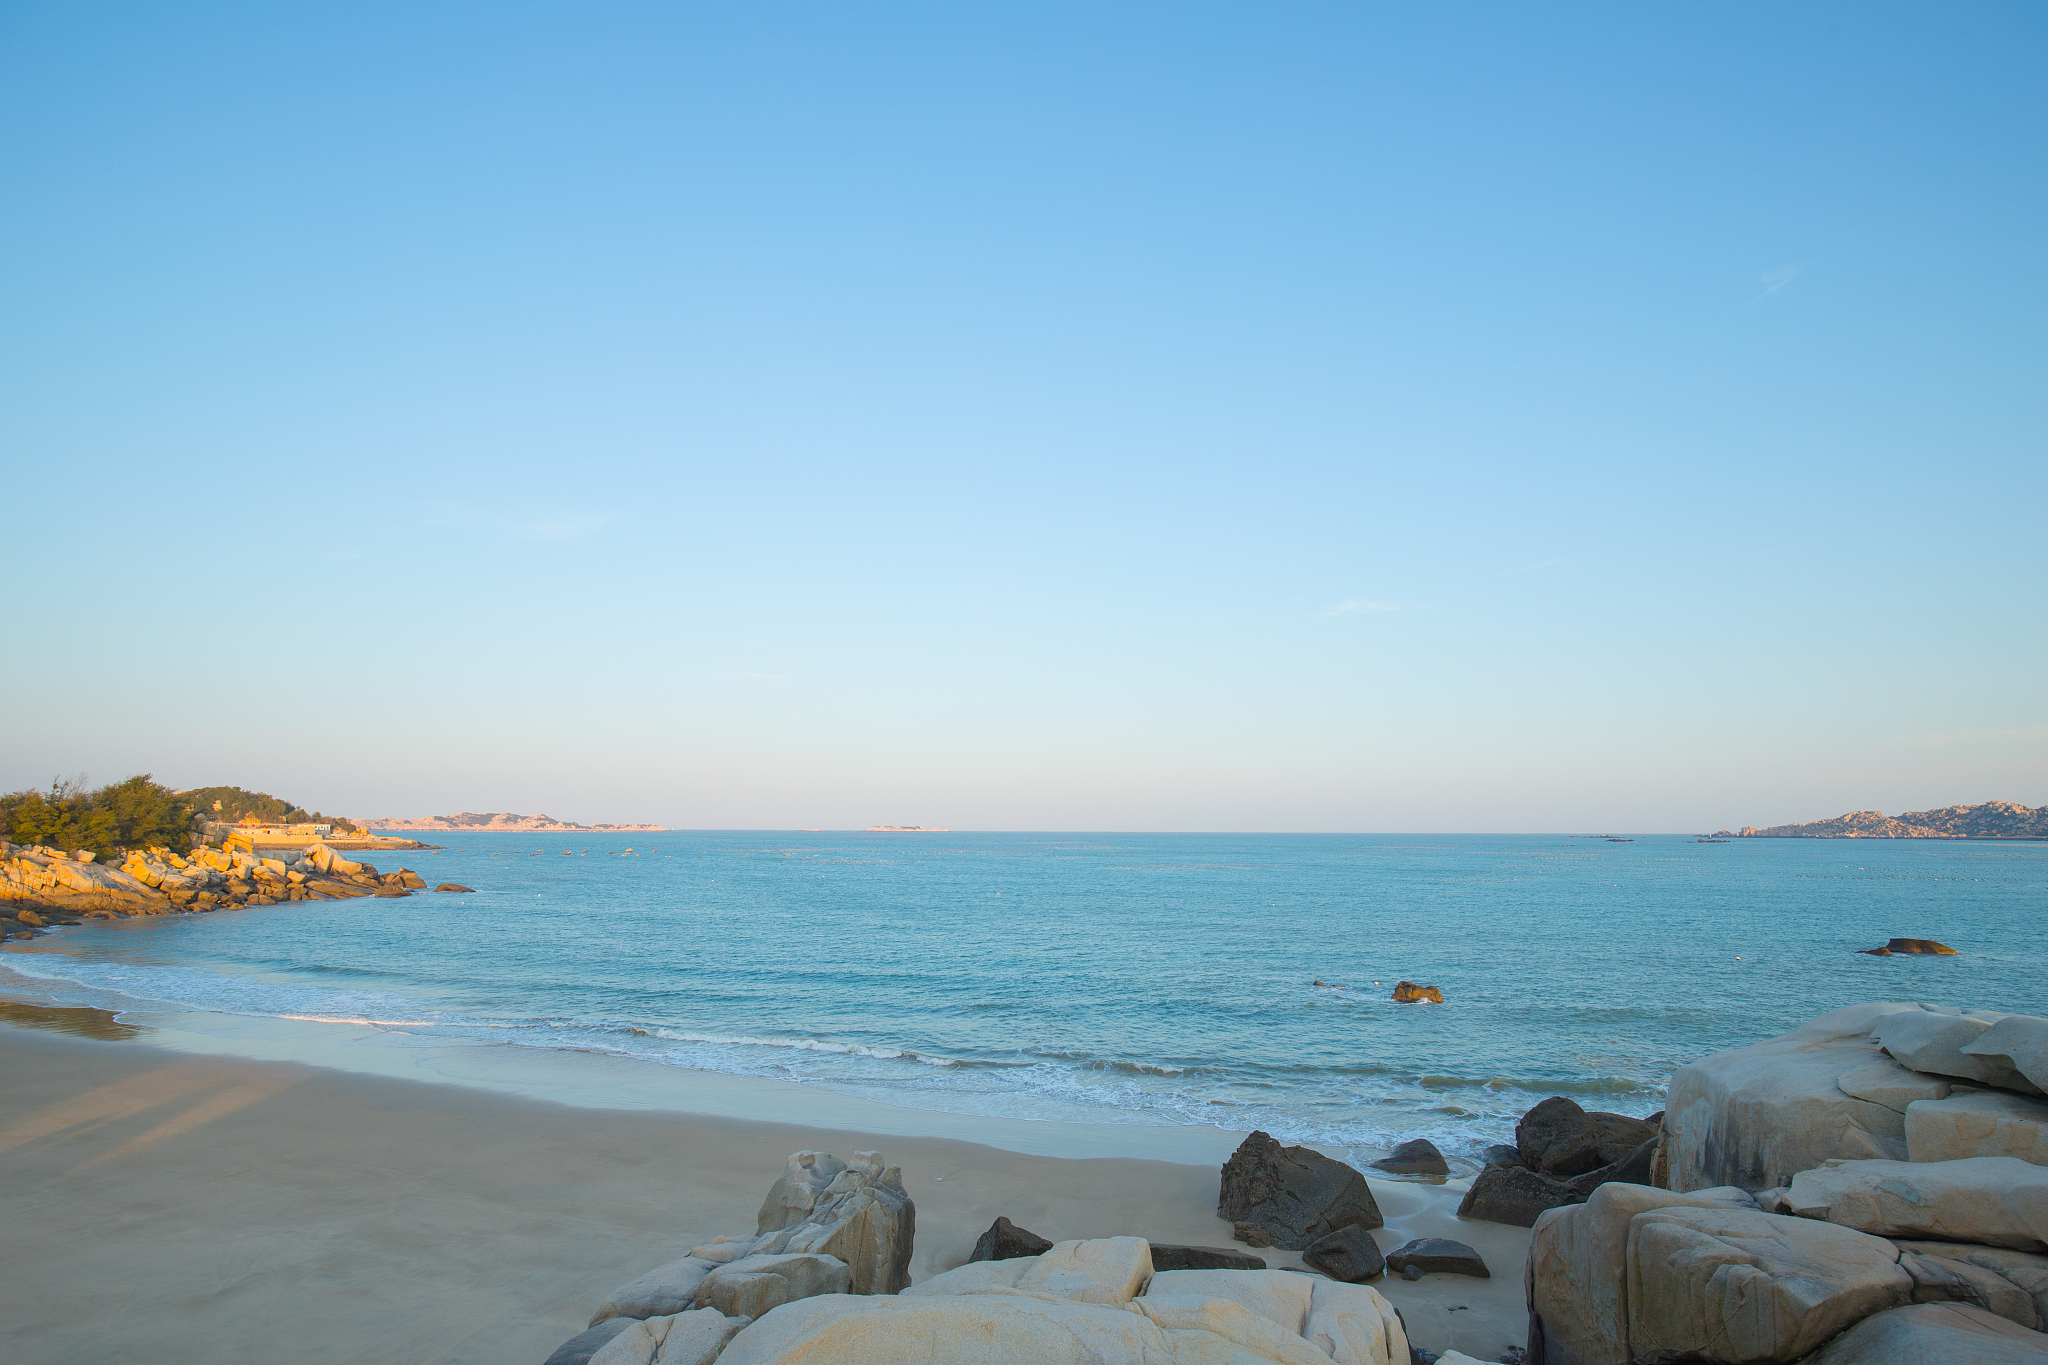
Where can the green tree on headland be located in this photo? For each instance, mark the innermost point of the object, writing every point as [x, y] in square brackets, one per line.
[230, 804]
[135, 813]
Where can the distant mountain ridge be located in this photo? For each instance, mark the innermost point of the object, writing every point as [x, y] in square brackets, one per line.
[1991, 820]
[496, 822]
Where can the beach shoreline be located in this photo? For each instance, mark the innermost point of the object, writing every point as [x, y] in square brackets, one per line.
[252, 1208]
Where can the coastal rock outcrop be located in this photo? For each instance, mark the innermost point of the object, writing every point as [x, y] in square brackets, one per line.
[692, 1338]
[1990, 820]
[1935, 1334]
[1977, 1123]
[1408, 993]
[667, 1289]
[1290, 1196]
[752, 1285]
[1994, 1200]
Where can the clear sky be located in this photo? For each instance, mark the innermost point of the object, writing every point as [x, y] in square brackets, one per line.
[1058, 416]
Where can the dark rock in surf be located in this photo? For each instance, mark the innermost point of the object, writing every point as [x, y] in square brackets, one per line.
[1515, 1195]
[1005, 1241]
[1408, 993]
[1292, 1195]
[1348, 1254]
[1417, 1156]
[455, 886]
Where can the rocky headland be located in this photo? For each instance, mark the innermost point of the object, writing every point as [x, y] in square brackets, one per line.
[499, 822]
[41, 887]
[1990, 820]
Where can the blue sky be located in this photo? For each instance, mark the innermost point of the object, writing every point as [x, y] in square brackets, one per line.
[1309, 417]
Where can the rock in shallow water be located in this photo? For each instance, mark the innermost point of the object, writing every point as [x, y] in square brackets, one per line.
[1291, 1195]
[1418, 1156]
[1408, 993]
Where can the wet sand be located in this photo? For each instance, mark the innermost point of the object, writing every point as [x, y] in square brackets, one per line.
[176, 1207]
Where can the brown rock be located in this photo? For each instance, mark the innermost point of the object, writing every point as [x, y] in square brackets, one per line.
[1408, 993]
[1204, 1258]
[1005, 1241]
[1293, 1194]
[455, 886]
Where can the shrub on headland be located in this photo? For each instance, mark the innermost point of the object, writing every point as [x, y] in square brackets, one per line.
[133, 813]
[230, 804]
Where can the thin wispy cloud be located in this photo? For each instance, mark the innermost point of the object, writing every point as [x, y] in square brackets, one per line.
[1360, 607]
[1774, 280]
[559, 528]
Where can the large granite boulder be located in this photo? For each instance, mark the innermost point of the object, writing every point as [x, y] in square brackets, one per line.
[1943, 1279]
[1887, 1083]
[1995, 1200]
[665, 1290]
[1730, 1285]
[1106, 1270]
[989, 1329]
[1576, 1276]
[693, 1338]
[863, 1217]
[1930, 1040]
[2026, 1269]
[578, 1350]
[1290, 1196]
[2018, 1042]
[750, 1286]
[1515, 1195]
[1977, 1123]
[1279, 1296]
[1755, 1116]
[1935, 1334]
[794, 1195]
[1353, 1324]
[1238, 1330]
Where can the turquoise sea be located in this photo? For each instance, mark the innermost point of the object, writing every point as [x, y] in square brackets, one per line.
[1238, 981]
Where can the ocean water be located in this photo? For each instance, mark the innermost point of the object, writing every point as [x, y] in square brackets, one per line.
[1239, 981]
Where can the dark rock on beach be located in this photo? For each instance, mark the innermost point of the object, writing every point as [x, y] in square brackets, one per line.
[1633, 1169]
[1515, 1195]
[1418, 1156]
[1500, 1154]
[1348, 1254]
[1408, 993]
[1438, 1256]
[1291, 1195]
[1005, 1241]
[1202, 1258]
[578, 1350]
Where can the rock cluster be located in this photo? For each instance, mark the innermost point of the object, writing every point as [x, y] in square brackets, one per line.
[42, 886]
[1562, 1153]
[822, 1279]
[1869, 1189]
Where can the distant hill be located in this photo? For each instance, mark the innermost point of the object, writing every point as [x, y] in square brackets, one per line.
[494, 822]
[229, 804]
[1992, 820]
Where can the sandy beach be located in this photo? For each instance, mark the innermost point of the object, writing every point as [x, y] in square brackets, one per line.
[182, 1207]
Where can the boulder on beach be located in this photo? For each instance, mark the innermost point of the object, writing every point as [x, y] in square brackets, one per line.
[1562, 1140]
[1417, 1156]
[1408, 993]
[1169, 1257]
[1348, 1254]
[752, 1285]
[1500, 1154]
[1005, 1241]
[1290, 1196]
[1438, 1256]
[1515, 1195]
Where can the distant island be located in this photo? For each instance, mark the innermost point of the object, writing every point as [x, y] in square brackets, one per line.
[903, 829]
[498, 822]
[1992, 820]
